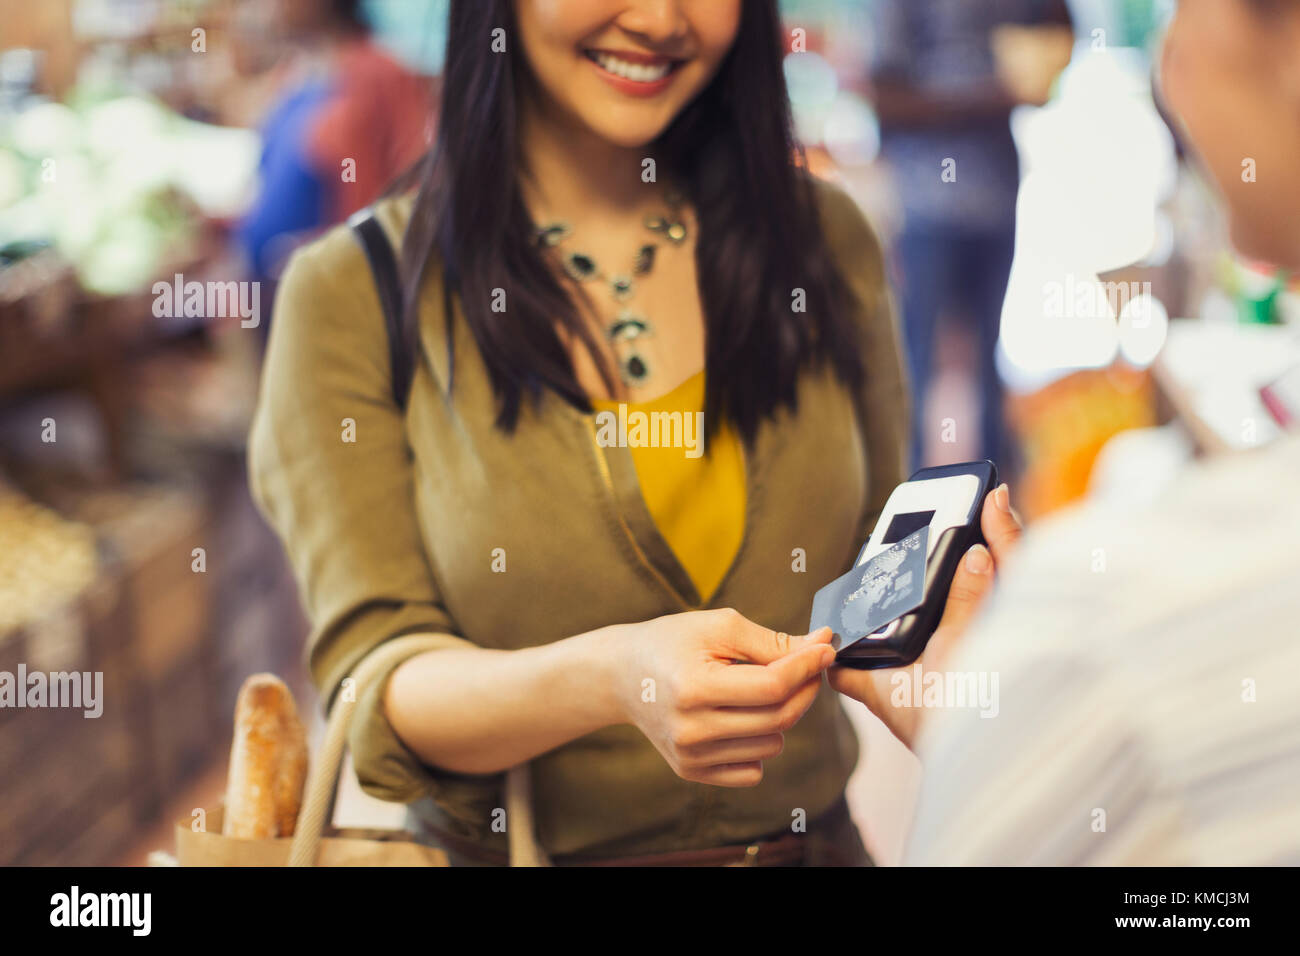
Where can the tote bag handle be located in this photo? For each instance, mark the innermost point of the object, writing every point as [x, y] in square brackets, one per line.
[323, 778]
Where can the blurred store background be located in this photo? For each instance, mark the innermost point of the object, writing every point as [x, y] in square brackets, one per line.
[142, 140]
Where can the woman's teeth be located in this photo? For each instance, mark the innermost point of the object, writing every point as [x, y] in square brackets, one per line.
[636, 72]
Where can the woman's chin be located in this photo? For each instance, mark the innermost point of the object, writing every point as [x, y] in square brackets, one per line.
[623, 121]
[626, 136]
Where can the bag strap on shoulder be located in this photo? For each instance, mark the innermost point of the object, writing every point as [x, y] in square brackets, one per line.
[388, 283]
[322, 784]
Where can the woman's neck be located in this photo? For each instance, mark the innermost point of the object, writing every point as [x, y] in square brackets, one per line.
[569, 172]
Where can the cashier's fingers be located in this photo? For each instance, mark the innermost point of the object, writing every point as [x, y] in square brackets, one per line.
[999, 523]
[970, 584]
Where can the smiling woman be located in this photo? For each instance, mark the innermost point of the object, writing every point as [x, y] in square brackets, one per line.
[672, 68]
[615, 212]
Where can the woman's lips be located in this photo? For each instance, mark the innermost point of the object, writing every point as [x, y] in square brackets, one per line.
[635, 74]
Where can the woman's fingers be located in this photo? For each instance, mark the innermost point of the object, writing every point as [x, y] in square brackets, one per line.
[723, 723]
[734, 750]
[744, 640]
[775, 717]
[731, 775]
[752, 685]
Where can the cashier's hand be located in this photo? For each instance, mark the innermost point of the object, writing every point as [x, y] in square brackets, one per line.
[973, 580]
[714, 692]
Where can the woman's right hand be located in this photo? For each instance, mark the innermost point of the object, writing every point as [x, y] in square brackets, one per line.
[715, 692]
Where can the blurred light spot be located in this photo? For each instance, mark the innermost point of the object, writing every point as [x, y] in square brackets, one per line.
[811, 80]
[1054, 319]
[1097, 162]
[851, 131]
[1165, 241]
[1143, 328]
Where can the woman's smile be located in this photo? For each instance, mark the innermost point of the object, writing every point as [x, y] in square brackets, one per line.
[635, 74]
[624, 70]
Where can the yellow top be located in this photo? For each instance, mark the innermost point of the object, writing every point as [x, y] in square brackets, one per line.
[697, 503]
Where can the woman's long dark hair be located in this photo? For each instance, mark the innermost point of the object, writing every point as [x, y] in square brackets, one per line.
[731, 150]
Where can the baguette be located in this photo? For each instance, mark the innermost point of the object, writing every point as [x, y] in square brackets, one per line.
[268, 762]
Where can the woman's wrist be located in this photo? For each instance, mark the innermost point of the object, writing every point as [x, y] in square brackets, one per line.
[597, 666]
[544, 697]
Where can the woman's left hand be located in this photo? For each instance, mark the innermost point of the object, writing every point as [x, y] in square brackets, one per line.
[973, 580]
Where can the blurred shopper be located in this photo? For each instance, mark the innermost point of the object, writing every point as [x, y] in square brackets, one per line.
[348, 120]
[1149, 706]
[944, 102]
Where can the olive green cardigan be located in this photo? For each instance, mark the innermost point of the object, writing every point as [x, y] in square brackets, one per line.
[392, 521]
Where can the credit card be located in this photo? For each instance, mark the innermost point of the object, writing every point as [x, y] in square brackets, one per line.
[867, 598]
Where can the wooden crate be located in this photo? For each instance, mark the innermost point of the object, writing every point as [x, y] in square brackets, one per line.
[64, 771]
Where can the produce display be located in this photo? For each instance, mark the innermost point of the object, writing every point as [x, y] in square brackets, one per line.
[114, 185]
[45, 561]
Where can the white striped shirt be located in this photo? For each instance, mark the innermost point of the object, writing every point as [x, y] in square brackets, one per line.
[1148, 664]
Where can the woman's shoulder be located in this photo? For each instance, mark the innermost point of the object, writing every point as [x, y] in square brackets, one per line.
[327, 293]
[393, 213]
[848, 232]
[334, 264]
[336, 251]
[855, 248]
